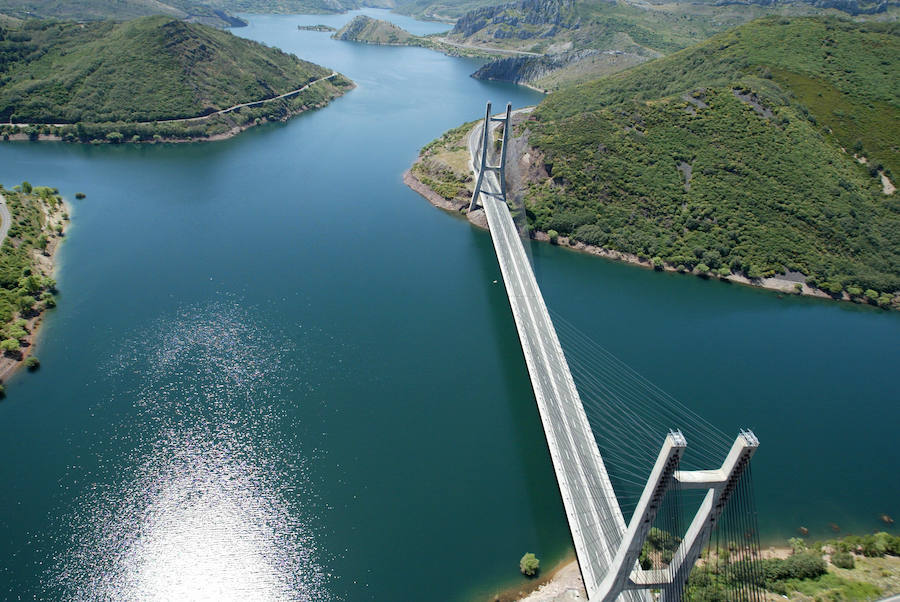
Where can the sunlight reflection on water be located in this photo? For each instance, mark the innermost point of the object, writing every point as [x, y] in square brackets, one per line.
[205, 508]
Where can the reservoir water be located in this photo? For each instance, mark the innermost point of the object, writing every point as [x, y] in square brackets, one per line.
[275, 372]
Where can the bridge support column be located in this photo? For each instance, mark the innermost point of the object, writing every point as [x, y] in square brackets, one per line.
[483, 167]
[644, 514]
[720, 484]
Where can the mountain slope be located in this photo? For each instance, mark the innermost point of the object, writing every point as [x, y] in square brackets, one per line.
[153, 68]
[119, 10]
[709, 160]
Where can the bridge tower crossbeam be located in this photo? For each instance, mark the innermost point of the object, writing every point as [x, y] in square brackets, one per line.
[483, 166]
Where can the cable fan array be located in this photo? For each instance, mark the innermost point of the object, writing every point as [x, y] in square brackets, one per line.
[630, 417]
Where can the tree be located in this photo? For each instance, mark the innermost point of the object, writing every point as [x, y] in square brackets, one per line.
[26, 303]
[9, 345]
[797, 545]
[529, 565]
[554, 236]
[26, 187]
[32, 363]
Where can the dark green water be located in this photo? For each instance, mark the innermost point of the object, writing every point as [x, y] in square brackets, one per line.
[275, 372]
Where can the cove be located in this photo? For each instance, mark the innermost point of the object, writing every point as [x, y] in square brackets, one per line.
[276, 372]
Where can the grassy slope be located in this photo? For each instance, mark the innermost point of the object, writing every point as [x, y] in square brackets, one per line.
[765, 193]
[142, 70]
[610, 25]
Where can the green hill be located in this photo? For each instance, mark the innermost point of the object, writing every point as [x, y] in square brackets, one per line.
[148, 69]
[374, 31]
[728, 157]
[733, 158]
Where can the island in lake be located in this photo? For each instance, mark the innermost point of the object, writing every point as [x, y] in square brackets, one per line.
[319, 27]
[126, 82]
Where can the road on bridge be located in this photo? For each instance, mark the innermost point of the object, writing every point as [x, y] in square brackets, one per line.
[594, 516]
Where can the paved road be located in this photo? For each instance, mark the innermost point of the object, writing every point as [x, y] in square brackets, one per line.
[5, 219]
[208, 115]
[594, 516]
[489, 49]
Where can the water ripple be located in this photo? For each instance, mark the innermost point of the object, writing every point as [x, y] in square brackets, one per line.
[207, 504]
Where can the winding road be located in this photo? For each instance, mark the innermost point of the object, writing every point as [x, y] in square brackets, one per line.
[5, 217]
[201, 117]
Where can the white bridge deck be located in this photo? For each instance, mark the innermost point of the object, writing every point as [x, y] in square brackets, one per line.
[594, 516]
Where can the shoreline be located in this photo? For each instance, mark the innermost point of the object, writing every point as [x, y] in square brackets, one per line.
[564, 583]
[9, 366]
[783, 286]
[21, 136]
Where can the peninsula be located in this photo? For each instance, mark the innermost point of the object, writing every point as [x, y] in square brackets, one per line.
[32, 223]
[148, 79]
[740, 158]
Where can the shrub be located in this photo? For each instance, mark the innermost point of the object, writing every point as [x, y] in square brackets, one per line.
[554, 236]
[806, 565]
[32, 363]
[9, 345]
[843, 560]
[80, 195]
[657, 263]
[529, 565]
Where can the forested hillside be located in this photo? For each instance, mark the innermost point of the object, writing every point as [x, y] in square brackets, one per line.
[148, 69]
[736, 156]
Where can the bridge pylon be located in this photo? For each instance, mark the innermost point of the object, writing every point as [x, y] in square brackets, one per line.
[623, 573]
[608, 549]
[483, 166]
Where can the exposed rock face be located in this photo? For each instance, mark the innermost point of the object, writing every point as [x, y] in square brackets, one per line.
[521, 69]
[508, 17]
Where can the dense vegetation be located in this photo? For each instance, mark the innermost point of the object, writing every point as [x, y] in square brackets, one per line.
[715, 159]
[26, 288]
[374, 31]
[141, 71]
[805, 571]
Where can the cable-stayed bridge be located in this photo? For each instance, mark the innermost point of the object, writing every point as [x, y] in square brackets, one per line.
[608, 548]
